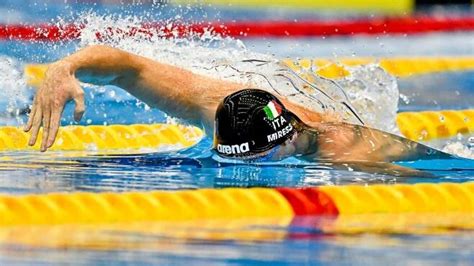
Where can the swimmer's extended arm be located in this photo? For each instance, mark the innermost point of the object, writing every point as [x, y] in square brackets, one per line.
[342, 142]
[176, 91]
[360, 148]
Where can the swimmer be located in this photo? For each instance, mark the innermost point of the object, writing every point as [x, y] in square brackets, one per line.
[248, 124]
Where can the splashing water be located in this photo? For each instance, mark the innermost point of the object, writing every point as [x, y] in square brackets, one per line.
[13, 92]
[458, 148]
[371, 90]
[462, 146]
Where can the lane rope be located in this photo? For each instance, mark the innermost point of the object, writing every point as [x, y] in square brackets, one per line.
[397, 66]
[308, 28]
[235, 203]
[137, 138]
[400, 6]
[428, 125]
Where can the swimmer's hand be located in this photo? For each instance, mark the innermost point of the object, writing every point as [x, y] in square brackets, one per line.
[58, 87]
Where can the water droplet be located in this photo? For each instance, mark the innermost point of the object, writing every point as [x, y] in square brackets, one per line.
[470, 142]
[404, 98]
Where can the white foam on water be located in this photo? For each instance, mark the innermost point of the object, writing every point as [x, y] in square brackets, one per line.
[375, 94]
[459, 149]
[463, 146]
[13, 93]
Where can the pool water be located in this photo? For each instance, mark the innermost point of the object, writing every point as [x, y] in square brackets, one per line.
[300, 242]
[279, 246]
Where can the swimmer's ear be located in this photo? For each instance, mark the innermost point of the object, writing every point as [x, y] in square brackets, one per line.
[34, 74]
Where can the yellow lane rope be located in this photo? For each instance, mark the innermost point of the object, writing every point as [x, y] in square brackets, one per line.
[133, 138]
[429, 125]
[100, 208]
[399, 6]
[235, 203]
[397, 66]
[419, 198]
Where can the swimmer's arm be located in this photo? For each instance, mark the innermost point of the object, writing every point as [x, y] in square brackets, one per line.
[360, 148]
[355, 143]
[176, 91]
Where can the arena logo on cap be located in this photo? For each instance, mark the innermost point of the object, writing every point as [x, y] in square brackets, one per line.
[272, 110]
[233, 149]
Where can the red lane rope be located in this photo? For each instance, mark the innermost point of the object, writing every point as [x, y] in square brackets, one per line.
[39, 32]
[400, 25]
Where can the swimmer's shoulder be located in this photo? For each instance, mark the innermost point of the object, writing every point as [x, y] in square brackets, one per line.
[309, 116]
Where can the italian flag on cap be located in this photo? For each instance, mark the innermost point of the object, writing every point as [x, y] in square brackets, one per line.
[272, 110]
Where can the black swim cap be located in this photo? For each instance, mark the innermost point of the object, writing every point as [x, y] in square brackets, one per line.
[250, 122]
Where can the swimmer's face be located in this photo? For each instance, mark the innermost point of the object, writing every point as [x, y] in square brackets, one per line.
[280, 152]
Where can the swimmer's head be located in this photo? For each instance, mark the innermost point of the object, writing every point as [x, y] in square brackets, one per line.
[251, 124]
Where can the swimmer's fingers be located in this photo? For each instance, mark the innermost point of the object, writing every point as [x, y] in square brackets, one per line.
[55, 122]
[79, 102]
[35, 125]
[46, 122]
[31, 117]
[53, 108]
